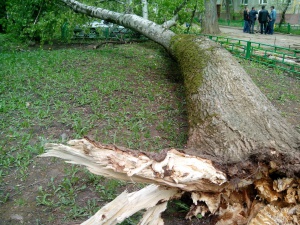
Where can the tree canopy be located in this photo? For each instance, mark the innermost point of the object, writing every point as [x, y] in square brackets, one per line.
[42, 19]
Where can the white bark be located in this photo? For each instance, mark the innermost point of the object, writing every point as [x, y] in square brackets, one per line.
[171, 22]
[145, 9]
[148, 28]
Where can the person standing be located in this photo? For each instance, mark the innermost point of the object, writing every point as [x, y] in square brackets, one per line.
[263, 17]
[246, 20]
[252, 18]
[272, 20]
[258, 24]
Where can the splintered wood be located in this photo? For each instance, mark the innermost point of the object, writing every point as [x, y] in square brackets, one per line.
[176, 169]
[152, 197]
[256, 199]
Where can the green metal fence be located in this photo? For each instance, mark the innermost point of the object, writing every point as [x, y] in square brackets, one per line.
[286, 59]
[287, 28]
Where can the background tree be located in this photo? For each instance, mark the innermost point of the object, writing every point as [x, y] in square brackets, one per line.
[145, 8]
[210, 21]
[227, 7]
[42, 19]
[286, 6]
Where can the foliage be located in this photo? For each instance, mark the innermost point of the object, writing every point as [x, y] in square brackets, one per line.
[9, 42]
[39, 19]
[42, 20]
[2, 15]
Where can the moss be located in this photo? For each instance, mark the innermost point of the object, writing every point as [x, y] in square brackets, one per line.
[192, 61]
[187, 53]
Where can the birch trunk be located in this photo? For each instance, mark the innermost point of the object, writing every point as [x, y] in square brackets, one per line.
[251, 148]
[145, 9]
[229, 118]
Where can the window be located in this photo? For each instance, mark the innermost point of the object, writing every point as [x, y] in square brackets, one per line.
[244, 2]
[263, 2]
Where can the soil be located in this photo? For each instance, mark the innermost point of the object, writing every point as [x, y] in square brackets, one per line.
[43, 168]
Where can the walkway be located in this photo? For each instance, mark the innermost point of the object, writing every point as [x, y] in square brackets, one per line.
[283, 40]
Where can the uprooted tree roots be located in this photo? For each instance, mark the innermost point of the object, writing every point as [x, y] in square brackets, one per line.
[255, 191]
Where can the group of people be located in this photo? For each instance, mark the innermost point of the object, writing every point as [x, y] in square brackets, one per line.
[265, 19]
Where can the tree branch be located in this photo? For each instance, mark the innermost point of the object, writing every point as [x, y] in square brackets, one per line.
[102, 1]
[38, 15]
[172, 168]
[180, 7]
[170, 23]
[192, 16]
[147, 28]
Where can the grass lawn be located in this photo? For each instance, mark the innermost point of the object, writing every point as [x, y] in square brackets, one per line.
[129, 95]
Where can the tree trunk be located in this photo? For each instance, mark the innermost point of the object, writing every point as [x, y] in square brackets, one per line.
[250, 147]
[157, 33]
[145, 9]
[282, 19]
[227, 10]
[210, 21]
[229, 118]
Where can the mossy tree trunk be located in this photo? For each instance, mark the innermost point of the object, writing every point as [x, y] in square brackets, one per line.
[231, 123]
[229, 118]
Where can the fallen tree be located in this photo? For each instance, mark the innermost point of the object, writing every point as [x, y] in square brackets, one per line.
[242, 162]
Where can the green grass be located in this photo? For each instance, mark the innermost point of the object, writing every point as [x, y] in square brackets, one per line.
[128, 95]
[123, 95]
[284, 29]
[232, 23]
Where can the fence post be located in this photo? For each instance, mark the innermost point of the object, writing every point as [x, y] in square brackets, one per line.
[289, 28]
[248, 50]
[64, 31]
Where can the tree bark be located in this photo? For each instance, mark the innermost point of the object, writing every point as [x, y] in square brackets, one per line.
[145, 8]
[227, 10]
[210, 21]
[282, 19]
[229, 118]
[238, 142]
[153, 31]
